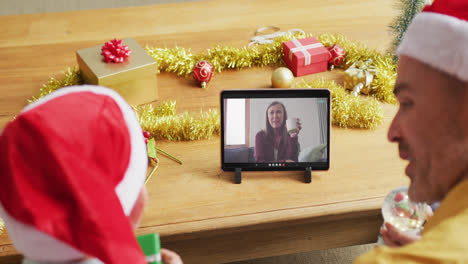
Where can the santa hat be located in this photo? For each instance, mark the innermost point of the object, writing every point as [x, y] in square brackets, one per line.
[438, 36]
[72, 166]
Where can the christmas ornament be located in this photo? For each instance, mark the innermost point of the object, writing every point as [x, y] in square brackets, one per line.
[402, 213]
[282, 78]
[359, 77]
[202, 72]
[337, 56]
[115, 51]
[147, 135]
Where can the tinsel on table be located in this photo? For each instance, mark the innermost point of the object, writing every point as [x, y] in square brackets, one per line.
[71, 77]
[181, 61]
[2, 226]
[382, 85]
[347, 110]
[164, 123]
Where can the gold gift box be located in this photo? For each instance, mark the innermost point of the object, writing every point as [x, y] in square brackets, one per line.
[134, 79]
[358, 77]
[354, 77]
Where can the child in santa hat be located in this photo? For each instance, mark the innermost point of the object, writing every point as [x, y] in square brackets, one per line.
[73, 166]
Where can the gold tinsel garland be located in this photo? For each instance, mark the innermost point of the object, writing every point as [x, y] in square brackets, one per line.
[382, 85]
[347, 111]
[71, 77]
[164, 123]
[181, 61]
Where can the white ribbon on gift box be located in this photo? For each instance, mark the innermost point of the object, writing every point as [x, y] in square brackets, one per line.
[268, 38]
[303, 49]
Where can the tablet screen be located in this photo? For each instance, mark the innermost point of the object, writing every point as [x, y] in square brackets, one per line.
[275, 129]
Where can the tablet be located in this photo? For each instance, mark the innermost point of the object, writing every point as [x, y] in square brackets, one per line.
[275, 129]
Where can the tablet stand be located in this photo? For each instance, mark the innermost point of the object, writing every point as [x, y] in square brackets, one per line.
[308, 175]
[238, 175]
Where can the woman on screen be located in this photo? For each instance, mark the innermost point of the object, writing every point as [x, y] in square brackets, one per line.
[275, 143]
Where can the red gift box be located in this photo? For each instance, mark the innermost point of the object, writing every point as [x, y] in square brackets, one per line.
[305, 56]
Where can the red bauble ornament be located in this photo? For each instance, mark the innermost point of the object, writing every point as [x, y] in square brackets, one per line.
[202, 72]
[146, 134]
[337, 55]
[115, 51]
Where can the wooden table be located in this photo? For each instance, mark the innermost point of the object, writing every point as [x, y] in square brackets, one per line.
[195, 207]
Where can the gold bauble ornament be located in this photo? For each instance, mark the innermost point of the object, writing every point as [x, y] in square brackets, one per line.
[282, 78]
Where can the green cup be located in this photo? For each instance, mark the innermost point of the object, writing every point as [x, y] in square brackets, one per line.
[151, 246]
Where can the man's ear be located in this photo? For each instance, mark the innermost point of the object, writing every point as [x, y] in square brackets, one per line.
[137, 211]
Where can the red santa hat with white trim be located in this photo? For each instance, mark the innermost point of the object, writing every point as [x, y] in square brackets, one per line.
[438, 36]
[72, 166]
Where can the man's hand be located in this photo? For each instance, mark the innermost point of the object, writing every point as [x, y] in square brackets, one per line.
[393, 237]
[170, 257]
